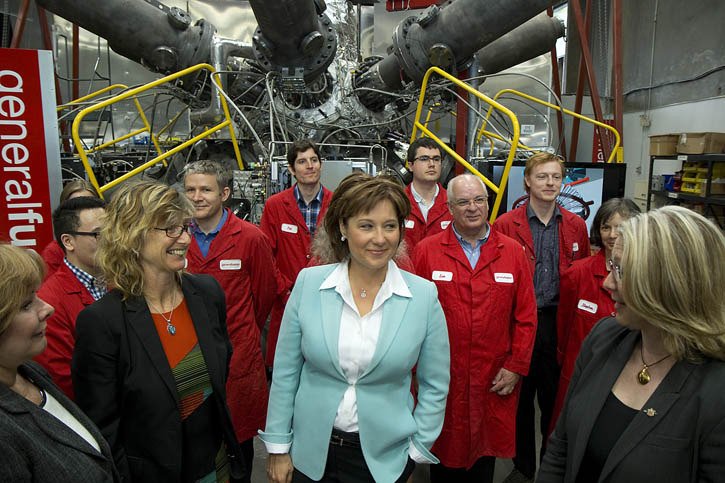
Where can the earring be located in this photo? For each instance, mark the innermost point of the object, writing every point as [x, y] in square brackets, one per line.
[342, 238]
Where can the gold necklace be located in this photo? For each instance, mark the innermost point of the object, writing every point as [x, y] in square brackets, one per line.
[643, 376]
[171, 328]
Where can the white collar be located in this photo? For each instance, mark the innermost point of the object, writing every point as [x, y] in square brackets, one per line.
[393, 284]
[419, 199]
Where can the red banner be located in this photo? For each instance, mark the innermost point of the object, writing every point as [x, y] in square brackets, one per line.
[395, 5]
[29, 154]
[597, 149]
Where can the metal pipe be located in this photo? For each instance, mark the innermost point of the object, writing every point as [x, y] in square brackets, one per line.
[294, 37]
[160, 38]
[531, 39]
[446, 37]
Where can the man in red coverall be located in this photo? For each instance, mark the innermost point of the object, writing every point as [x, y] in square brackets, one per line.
[290, 220]
[428, 200]
[552, 238]
[237, 254]
[75, 284]
[484, 285]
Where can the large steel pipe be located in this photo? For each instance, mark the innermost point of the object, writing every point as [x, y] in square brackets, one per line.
[294, 37]
[446, 37]
[161, 38]
[532, 39]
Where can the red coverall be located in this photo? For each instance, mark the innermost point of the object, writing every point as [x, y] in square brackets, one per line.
[290, 239]
[240, 259]
[68, 296]
[439, 217]
[491, 317]
[583, 301]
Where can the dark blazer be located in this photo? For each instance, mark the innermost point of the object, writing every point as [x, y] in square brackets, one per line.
[123, 381]
[678, 436]
[36, 446]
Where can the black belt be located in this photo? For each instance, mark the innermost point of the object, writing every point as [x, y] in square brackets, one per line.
[341, 438]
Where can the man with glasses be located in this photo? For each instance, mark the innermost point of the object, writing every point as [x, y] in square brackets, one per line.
[290, 220]
[237, 254]
[552, 238]
[429, 213]
[485, 287]
[77, 224]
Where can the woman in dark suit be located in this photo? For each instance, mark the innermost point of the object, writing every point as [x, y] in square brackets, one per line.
[151, 357]
[43, 435]
[645, 401]
[583, 299]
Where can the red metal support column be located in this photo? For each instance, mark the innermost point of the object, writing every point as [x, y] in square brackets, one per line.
[20, 24]
[586, 56]
[462, 123]
[617, 79]
[48, 45]
[76, 62]
[578, 99]
[556, 80]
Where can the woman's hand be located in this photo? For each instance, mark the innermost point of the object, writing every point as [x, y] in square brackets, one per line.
[279, 468]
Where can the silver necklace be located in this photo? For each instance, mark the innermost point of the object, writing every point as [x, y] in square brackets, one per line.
[363, 293]
[171, 328]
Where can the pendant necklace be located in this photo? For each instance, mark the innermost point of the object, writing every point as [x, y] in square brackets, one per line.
[363, 293]
[643, 376]
[171, 328]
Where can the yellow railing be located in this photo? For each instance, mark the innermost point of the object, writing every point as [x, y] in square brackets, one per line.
[90, 96]
[162, 156]
[142, 116]
[498, 190]
[616, 149]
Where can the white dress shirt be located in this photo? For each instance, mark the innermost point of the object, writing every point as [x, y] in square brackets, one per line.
[357, 342]
[359, 335]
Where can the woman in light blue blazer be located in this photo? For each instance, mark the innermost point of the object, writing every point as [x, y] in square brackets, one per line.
[341, 408]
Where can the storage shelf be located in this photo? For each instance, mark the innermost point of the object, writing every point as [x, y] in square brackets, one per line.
[713, 199]
[713, 203]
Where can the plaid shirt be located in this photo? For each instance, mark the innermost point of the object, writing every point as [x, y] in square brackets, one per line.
[95, 287]
[309, 212]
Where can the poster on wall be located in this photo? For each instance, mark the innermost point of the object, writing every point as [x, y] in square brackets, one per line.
[29, 150]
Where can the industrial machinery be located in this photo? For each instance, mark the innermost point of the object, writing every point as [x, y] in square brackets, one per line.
[301, 75]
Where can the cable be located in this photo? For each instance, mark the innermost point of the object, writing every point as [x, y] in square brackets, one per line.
[681, 81]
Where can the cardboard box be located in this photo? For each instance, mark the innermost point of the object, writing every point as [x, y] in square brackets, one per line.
[717, 187]
[663, 145]
[701, 143]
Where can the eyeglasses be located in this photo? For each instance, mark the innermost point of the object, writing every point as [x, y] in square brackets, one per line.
[428, 159]
[478, 201]
[176, 230]
[94, 234]
[615, 269]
